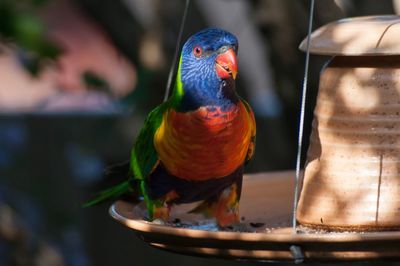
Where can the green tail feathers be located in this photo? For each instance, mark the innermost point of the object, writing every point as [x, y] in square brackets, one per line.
[110, 193]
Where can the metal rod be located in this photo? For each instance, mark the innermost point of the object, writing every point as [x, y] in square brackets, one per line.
[302, 114]
[178, 44]
[297, 254]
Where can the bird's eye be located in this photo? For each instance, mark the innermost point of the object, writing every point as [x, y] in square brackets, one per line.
[197, 51]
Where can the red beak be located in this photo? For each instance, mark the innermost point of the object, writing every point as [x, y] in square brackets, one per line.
[226, 64]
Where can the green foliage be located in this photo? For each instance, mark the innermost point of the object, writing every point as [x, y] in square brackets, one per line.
[20, 24]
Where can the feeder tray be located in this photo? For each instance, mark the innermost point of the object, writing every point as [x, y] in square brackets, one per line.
[266, 210]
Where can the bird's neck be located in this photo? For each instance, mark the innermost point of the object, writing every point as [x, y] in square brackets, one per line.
[194, 95]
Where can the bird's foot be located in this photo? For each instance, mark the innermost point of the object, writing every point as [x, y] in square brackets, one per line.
[227, 217]
[161, 213]
[162, 208]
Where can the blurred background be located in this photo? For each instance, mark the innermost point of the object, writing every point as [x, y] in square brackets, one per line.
[77, 78]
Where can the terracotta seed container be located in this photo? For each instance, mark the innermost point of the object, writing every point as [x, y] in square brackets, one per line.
[352, 174]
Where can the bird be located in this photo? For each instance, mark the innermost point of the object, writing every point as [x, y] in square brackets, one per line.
[194, 146]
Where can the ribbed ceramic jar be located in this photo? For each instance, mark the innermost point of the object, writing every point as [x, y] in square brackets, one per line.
[352, 174]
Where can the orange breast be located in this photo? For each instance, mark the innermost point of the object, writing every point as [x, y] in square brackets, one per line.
[204, 144]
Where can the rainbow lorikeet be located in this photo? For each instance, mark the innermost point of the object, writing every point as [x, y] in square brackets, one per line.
[194, 146]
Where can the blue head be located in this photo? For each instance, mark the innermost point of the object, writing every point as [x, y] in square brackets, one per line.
[207, 70]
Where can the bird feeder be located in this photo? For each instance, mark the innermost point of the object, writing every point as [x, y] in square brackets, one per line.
[352, 174]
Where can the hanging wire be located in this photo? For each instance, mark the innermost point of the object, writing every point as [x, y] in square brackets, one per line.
[178, 44]
[302, 114]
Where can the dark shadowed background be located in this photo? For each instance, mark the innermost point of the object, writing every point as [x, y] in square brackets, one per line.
[77, 79]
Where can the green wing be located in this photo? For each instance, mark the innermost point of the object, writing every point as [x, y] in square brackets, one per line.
[143, 160]
[144, 156]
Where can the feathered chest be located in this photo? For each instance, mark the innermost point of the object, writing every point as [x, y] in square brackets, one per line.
[204, 144]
